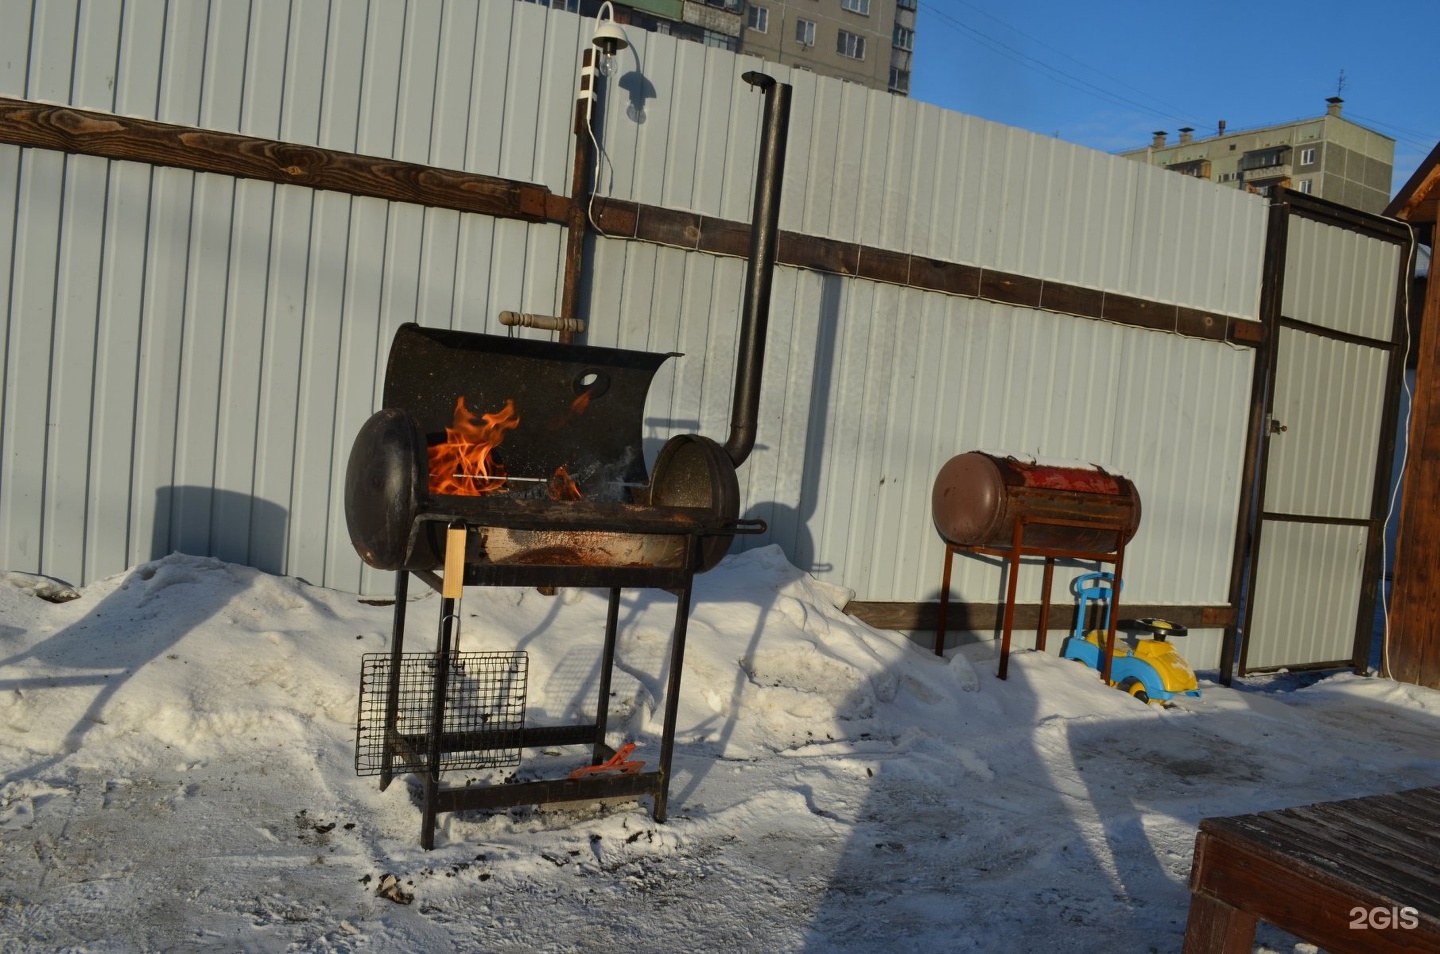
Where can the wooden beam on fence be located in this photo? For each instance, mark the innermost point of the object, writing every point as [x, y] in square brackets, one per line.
[108, 136]
[23, 123]
[987, 616]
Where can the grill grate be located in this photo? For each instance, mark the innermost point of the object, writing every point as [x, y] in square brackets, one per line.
[484, 721]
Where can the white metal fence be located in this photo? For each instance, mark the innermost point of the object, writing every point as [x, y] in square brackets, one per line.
[187, 356]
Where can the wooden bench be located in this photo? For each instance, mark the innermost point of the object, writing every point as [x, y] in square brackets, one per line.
[1360, 875]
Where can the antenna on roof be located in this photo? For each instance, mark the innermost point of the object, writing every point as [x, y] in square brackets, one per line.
[1340, 84]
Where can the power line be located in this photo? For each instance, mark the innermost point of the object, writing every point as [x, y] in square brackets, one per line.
[1175, 110]
[1412, 137]
[1054, 73]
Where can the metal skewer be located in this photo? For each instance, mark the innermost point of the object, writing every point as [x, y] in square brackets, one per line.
[543, 480]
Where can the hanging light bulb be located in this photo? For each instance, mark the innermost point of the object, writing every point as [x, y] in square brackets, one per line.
[609, 39]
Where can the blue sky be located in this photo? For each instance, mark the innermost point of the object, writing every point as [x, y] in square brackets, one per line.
[1107, 73]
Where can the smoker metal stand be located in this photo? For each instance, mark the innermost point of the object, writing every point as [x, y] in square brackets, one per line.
[439, 742]
[1012, 555]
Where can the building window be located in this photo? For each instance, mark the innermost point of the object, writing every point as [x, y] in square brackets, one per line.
[848, 44]
[856, 6]
[899, 80]
[805, 32]
[759, 19]
[1307, 186]
[721, 41]
[1307, 156]
[904, 39]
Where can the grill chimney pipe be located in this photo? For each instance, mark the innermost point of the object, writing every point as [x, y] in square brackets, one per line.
[1159, 141]
[764, 229]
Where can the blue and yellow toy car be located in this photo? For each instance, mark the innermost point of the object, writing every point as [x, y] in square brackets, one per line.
[1148, 668]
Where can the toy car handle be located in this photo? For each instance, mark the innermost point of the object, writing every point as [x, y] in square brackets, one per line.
[1160, 628]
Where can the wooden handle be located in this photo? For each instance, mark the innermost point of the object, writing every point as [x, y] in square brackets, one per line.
[543, 322]
[454, 583]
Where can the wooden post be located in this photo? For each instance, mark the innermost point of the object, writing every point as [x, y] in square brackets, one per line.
[577, 216]
[1413, 649]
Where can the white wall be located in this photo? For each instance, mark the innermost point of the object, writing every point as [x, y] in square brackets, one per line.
[187, 356]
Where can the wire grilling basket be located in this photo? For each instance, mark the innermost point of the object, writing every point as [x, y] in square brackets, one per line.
[484, 718]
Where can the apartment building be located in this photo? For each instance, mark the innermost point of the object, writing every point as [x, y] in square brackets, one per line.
[1328, 156]
[870, 42]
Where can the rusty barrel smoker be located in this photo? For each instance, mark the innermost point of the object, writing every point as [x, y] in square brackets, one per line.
[559, 496]
[1009, 506]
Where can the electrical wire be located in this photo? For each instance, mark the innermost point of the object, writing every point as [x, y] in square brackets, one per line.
[1176, 110]
[1411, 137]
[600, 156]
[1404, 462]
[1055, 73]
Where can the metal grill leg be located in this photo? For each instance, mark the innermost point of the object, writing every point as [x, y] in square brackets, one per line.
[944, 601]
[672, 689]
[449, 609]
[607, 664]
[392, 696]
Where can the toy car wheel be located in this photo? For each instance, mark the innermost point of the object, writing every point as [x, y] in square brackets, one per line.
[1136, 688]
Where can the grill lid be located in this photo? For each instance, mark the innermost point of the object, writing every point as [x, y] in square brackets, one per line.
[579, 407]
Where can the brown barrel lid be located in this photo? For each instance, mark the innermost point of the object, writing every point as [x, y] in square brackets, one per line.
[968, 498]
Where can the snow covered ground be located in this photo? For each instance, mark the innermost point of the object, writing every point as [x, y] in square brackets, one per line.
[177, 756]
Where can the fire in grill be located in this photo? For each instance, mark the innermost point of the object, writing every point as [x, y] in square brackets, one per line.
[553, 477]
[501, 461]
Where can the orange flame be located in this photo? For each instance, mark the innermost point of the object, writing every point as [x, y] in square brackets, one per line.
[465, 464]
[562, 485]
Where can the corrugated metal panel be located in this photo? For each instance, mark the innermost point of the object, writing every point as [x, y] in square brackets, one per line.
[1308, 594]
[238, 330]
[891, 383]
[1181, 412]
[867, 167]
[1196, 244]
[870, 388]
[1329, 395]
[1340, 279]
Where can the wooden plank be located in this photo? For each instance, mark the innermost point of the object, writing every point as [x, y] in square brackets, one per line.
[1200, 324]
[1413, 650]
[140, 140]
[1010, 289]
[1335, 849]
[983, 616]
[878, 265]
[826, 255]
[110, 136]
[947, 277]
[721, 237]
[1295, 897]
[680, 229]
[615, 218]
[1141, 313]
[1214, 927]
[1072, 300]
[1246, 332]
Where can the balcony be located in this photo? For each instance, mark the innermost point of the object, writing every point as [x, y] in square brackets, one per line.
[1199, 168]
[719, 16]
[1263, 173]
